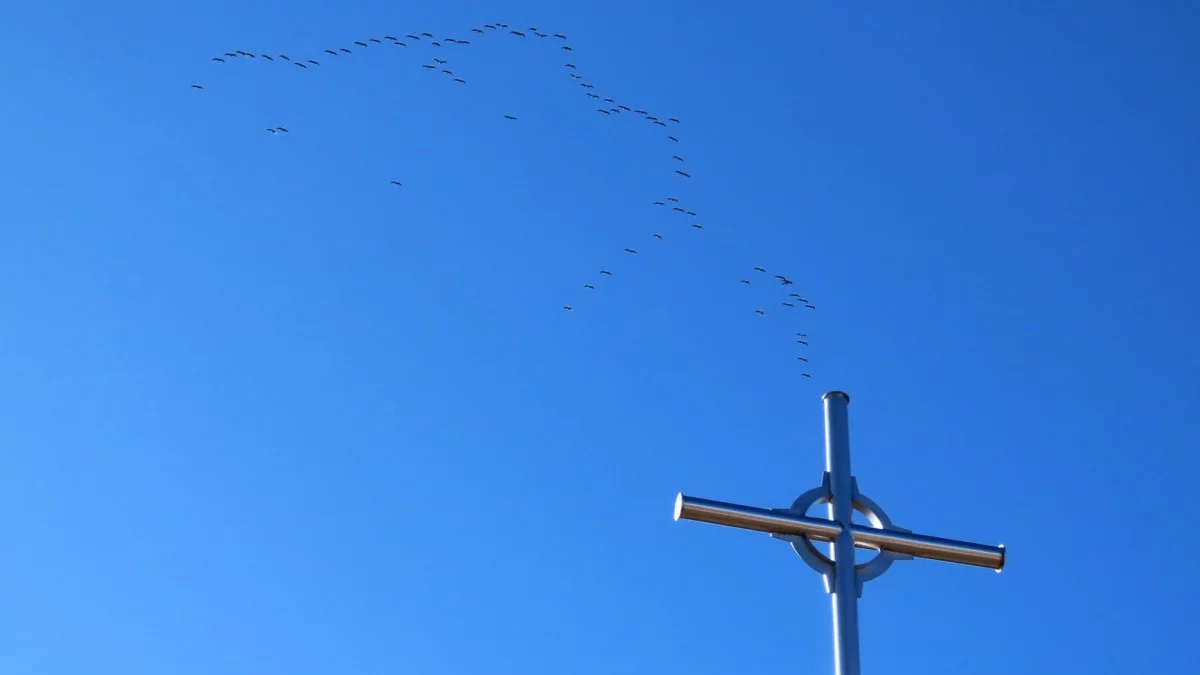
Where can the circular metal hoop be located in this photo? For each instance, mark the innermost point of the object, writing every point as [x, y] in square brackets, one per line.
[821, 563]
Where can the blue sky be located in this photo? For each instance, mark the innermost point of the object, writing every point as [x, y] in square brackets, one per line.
[263, 412]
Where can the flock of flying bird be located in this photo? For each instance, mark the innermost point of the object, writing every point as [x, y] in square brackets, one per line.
[608, 106]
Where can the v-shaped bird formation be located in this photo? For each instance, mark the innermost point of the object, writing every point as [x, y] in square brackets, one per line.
[786, 303]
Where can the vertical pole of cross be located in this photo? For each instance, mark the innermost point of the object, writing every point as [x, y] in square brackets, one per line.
[841, 510]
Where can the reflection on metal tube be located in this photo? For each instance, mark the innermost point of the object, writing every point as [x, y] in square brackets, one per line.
[933, 548]
[819, 529]
[752, 518]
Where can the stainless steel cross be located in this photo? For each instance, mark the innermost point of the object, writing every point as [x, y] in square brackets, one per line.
[843, 578]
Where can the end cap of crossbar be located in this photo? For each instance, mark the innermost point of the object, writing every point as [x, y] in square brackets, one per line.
[678, 506]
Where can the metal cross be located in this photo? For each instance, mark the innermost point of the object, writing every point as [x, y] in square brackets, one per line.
[843, 578]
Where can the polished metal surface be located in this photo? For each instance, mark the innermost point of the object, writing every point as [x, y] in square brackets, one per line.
[839, 490]
[841, 511]
[783, 522]
[932, 548]
[753, 518]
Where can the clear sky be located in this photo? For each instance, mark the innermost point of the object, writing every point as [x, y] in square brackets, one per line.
[262, 411]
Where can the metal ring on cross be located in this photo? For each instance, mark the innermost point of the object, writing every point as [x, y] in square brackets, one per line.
[821, 563]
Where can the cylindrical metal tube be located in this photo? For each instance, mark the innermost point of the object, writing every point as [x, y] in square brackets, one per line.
[934, 548]
[841, 511]
[752, 518]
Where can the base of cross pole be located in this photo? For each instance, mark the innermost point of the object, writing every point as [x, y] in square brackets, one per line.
[839, 490]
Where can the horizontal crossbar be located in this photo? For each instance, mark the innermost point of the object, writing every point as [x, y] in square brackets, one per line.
[819, 529]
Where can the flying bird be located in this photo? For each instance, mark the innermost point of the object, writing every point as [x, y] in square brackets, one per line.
[672, 199]
[677, 157]
[809, 307]
[759, 311]
[569, 65]
[284, 130]
[801, 358]
[267, 57]
[377, 40]
[568, 48]
[691, 213]
[436, 44]
[439, 60]
[330, 51]
[672, 138]
[460, 80]
[315, 63]
[447, 71]
[672, 119]
[517, 32]
[428, 35]
[787, 304]
[196, 86]
[361, 43]
[659, 204]
[413, 37]
[429, 65]
[476, 30]
[681, 173]
[629, 250]
[560, 36]
[677, 208]
[802, 342]
[698, 226]
[745, 281]
[297, 63]
[285, 57]
[389, 37]
[589, 287]
[569, 308]
[806, 375]
[657, 236]
[217, 58]
[606, 273]
[509, 117]
[396, 182]
[343, 49]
